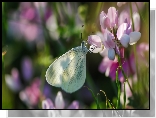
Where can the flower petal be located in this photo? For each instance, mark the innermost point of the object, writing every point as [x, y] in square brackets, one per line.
[104, 52]
[125, 40]
[74, 105]
[59, 102]
[111, 54]
[121, 30]
[110, 42]
[113, 67]
[104, 20]
[27, 69]
[94, 40]
[124, 17]
[12, 83]
[134, 37]
[47, 104]
[112, 14]
[106, 63]
[107, 39]
[102, 15]
[93, 48]
[136, 18]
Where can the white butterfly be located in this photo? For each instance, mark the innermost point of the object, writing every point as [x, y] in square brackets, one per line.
[69, 70]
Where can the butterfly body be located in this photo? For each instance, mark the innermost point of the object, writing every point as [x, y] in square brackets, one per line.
[69, 70]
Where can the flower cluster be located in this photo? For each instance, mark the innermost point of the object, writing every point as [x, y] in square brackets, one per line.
[59, 103]
[114, 38]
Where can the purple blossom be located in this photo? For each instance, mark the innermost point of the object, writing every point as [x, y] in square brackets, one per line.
[110, 20]
[110, 67]
[47, 91]
[125, 15]
[94, 40]
[105, 65]
[31, 94]
[107, 40]
[13, 80]
[59, 103]
[26, 22]
[118, 38]
[47, 104]
[125, 35]
[27, 69]
[28, 11]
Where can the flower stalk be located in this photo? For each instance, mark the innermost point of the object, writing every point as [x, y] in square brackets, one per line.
[134, 47]
[119, 90]
[125, 77]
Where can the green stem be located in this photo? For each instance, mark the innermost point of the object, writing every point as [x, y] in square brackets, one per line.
[131, 14]
[3, 73]
[140, 13]
[99, 7]
[125, 77]
[119, 91]
[136, 58]
[134, 45]
[124, 97]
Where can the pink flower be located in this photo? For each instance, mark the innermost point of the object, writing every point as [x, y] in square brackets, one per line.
[126, 36]
[109, 20]
[94, 40]
[110, 67]
[116, 40]
[125, 15]
[59, 103]
[109, 44]
[31, 94]
[27, 69]
[13, 80]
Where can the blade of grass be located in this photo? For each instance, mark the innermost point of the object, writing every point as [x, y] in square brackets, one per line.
[108, 101]
[96, 99]
[140, 13]
[106, 98]
[131, 14]
[134, 46]
[119, 91]
[124, 97]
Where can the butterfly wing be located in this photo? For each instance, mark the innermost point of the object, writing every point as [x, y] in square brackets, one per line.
[74, 75]
[55, 70]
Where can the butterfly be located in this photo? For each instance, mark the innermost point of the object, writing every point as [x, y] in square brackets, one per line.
[69, 70]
